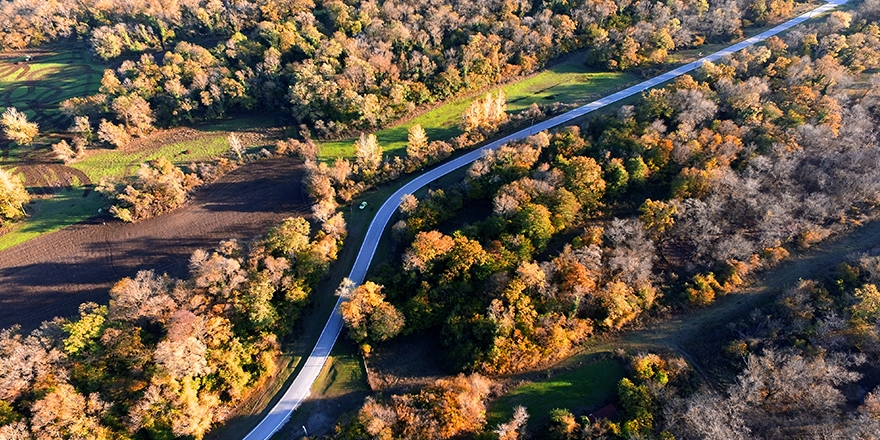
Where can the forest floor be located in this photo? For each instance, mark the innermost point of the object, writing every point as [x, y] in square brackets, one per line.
[52, 275]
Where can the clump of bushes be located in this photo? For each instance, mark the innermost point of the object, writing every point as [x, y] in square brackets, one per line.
[159, 186]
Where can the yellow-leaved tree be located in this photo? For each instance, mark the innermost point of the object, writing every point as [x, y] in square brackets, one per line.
[368, 317]
[13, 197]
[17, 128]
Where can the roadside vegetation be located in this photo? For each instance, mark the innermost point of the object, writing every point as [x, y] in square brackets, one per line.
[566, 83]
[667, 205]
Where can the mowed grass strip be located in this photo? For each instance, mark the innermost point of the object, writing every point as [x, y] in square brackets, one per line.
[568, 82]
[343, 373]
[116, 164]
[210, 143]
[580, 389]
[340, 388]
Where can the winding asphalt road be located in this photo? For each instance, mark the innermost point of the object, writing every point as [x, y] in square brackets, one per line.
[299, 389]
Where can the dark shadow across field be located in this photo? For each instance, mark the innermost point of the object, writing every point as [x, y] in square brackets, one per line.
[51, 275]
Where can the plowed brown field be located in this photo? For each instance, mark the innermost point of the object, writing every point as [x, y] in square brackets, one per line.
[50, 276]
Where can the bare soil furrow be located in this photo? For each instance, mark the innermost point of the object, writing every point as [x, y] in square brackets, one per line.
[51, 275]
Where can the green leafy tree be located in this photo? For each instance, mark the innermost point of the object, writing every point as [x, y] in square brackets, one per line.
[616, 177]
[290, 237]
[568, 142]
[83, 332]
[657, 216]
[867, 309]
[583, 177]
[535, 223]
[368, 317]
[637, 169]
[638, 404]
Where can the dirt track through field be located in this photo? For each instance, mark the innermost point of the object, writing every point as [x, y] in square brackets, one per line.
[38, 85]
[50, 276]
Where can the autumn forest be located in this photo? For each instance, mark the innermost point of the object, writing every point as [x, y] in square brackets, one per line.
[673, 206]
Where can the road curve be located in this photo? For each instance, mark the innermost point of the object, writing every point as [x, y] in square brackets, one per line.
[300, 388]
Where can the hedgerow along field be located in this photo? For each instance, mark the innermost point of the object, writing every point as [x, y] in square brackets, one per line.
[568, 82]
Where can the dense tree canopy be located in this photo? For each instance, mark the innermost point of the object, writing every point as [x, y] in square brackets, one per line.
[351, 65]
[705, 180]
[166, 358]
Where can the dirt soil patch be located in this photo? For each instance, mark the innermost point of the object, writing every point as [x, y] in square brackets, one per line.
[49, 178]
[52, 275]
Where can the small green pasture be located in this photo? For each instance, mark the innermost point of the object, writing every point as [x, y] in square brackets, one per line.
[117, 164]
[568, 82]
[37, 86]
[343, 373]
[579, 389]
[51, 213]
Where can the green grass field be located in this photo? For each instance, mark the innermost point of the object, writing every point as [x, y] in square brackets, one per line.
[36, 87]
[580, 389]
[116, 164]
[51, 213]
[567, 82]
